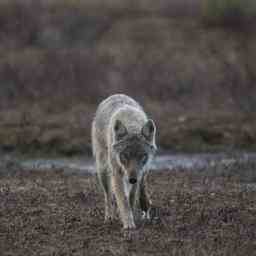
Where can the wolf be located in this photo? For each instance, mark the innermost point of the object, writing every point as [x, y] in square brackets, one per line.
[123, 141]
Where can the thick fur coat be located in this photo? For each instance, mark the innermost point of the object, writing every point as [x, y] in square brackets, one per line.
[123, 140]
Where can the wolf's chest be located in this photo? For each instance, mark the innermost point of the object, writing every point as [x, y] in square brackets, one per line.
[127, 188]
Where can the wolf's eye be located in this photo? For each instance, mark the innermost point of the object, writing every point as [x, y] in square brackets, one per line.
[123, 158]
[144, 159]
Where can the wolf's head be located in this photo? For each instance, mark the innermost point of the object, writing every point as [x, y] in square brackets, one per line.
[134, 152]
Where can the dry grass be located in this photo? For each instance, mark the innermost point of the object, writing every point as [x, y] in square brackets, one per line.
[59, 59]
[231, 13]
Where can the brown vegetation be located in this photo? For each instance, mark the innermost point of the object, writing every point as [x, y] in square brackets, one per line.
[59, 59]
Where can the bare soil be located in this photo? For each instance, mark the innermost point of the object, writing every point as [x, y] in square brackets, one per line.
[55, 214]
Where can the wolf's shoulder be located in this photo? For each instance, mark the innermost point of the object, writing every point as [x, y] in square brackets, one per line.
[118, 100]
[115, 102]
[119, 97]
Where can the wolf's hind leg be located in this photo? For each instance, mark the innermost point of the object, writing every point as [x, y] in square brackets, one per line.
[143, 197]
[149, 212]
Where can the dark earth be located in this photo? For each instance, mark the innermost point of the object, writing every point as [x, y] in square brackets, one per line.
[202, 212]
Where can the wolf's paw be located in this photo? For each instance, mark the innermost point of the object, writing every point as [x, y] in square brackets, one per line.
[108, 220]
[152, 214]
[130, 226]
[130, 234]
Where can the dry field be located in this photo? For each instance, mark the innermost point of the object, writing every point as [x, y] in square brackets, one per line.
[202, 213]
[60, 58]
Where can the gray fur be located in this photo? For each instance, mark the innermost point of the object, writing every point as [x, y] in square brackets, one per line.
[123, 140]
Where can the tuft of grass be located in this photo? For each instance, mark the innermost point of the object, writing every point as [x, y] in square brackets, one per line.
[233, 13]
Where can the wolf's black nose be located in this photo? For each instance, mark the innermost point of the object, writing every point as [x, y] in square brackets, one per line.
[132, 180]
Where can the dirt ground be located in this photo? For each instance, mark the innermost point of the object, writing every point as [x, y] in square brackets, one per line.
[55, 214]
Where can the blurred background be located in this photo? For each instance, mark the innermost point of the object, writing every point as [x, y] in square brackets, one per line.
[190, 63]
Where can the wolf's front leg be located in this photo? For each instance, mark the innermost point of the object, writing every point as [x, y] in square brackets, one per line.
[123, 203]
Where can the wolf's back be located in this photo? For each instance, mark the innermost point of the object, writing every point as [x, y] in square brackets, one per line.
[104, 114]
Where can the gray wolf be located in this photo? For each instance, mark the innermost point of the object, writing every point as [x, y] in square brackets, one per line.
[123, 141]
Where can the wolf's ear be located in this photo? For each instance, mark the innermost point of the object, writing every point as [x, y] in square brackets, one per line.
[119, 130]
[148, 130]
